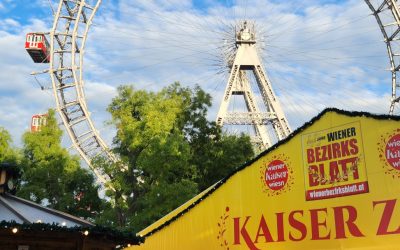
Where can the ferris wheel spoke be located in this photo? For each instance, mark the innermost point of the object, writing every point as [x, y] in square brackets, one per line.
[315, 81]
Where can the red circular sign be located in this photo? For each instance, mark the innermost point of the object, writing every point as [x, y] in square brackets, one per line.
[276, 175]
[392, 151]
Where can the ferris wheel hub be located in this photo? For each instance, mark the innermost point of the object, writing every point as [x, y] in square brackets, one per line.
[246, 33]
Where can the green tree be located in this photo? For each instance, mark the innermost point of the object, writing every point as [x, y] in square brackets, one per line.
[52, 177]
[157, 155]
[213, 154]
[8, 154]
[215, 159]
[171, 150]
[10, 157]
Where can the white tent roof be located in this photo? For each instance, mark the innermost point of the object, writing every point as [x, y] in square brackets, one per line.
[16, 209]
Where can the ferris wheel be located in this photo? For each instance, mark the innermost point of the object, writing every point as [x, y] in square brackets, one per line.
[66, 45]
[387, 15]
[64, 53]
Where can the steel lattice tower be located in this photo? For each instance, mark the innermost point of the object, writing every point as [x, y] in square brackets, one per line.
[246, 60]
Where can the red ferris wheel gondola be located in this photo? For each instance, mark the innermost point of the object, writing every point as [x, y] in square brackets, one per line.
[38, 48]
[38, 121]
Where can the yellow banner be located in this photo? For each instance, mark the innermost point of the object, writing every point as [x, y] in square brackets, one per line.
[333, 185]
[334, 162]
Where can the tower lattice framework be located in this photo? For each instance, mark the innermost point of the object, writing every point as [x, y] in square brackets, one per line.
[247, 61]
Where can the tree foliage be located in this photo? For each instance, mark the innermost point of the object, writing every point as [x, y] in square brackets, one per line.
[8, 154]
[171, 150]
[52, 177]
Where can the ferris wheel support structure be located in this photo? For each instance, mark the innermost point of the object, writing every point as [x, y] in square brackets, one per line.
[72, 21]
[247, 61]
[387, 15]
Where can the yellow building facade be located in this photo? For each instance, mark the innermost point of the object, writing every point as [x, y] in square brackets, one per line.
[332, 184]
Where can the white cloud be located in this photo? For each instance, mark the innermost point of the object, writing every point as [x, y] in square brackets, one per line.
[11, 22]
[20, 97]
[7, 4]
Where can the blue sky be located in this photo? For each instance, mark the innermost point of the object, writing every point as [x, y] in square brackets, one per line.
[23, 10]
[317, 54]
